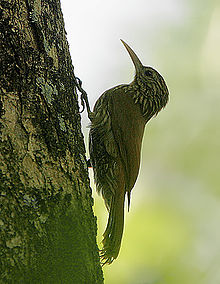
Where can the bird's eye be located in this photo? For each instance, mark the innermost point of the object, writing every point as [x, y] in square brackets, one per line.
[148, 73]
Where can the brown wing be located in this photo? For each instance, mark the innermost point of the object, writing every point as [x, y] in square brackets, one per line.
[115, 141]
[128, 128]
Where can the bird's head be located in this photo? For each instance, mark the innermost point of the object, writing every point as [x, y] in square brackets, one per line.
[149, 81]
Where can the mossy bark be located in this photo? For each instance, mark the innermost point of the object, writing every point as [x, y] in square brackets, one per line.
[47, 227]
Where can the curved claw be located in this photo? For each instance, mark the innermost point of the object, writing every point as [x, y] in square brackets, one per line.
[104, 259]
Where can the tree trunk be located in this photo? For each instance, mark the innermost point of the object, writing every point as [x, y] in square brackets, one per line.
[48, 230]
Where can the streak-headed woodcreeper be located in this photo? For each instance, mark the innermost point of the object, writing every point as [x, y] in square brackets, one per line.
[117, 128]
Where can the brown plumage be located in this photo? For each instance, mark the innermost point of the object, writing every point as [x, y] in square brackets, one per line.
[116, 133]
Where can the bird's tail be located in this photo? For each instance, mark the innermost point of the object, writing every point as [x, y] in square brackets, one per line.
[114, 230]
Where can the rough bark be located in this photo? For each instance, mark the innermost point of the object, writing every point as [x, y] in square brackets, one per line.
[47, 227]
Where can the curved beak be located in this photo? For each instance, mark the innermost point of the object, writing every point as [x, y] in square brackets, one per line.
[137, 63]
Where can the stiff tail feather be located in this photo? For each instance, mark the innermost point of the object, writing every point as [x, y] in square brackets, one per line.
[114, 230]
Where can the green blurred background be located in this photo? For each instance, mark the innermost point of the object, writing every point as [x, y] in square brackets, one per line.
[172, 232]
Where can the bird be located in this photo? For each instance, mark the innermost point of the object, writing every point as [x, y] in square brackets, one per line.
[115, 138]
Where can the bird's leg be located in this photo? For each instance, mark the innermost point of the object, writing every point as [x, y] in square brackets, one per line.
[84, 98]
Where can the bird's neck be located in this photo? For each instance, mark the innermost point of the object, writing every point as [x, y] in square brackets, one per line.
[142, 96]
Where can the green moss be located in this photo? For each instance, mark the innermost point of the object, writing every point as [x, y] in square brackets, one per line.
[47, 89]
[62, 123]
